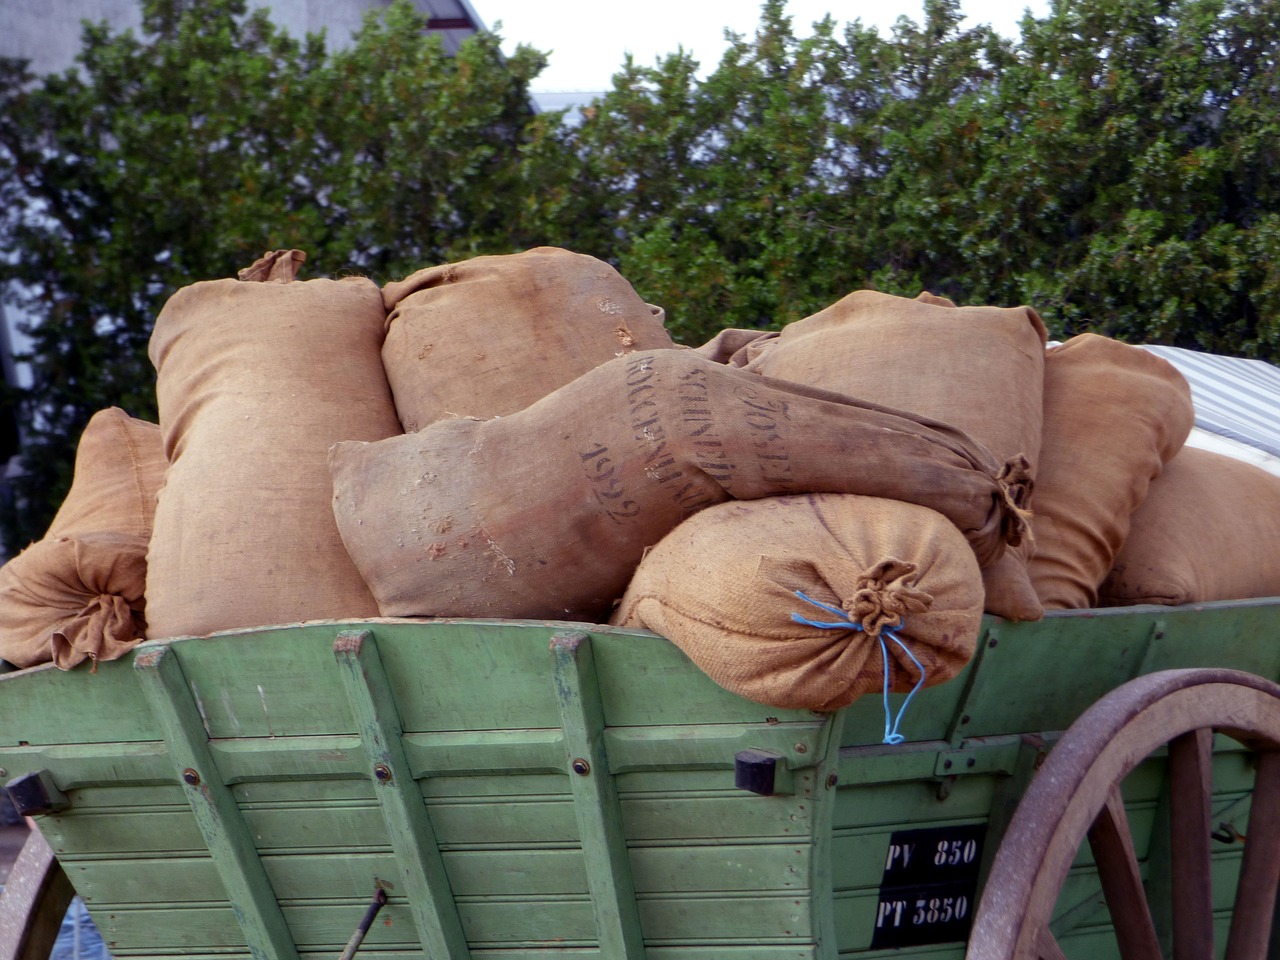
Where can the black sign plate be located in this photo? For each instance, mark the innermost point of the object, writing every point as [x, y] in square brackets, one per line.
[928, 888]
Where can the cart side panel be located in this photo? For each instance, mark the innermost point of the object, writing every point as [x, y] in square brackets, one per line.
[716, 870]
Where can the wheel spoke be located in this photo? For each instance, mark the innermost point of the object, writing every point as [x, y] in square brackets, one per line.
[1190, 796]
[1112, 846]
[34, 900]
[1047, 947]
[1260, 867]
[1076, 795]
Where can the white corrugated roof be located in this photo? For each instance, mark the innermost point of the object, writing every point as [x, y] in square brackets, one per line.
[1234, 398]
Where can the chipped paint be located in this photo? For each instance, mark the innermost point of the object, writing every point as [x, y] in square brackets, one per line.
[262, 697]
[204, 717]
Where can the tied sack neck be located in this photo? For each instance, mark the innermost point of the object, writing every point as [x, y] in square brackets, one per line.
[1016, 485]
[880, 601]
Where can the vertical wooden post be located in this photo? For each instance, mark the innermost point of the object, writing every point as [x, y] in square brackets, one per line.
[404, 811]
[219, 818]
[595, 799]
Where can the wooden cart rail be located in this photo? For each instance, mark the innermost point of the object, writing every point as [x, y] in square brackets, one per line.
[544, 790]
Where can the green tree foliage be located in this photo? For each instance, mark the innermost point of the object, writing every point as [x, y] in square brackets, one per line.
[183, 153]
[1117, 166]
[1122, 175]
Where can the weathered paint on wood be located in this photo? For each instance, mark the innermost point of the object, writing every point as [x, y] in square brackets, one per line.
[716, 872]
[408, 825]
[595, 797]
[222, 827]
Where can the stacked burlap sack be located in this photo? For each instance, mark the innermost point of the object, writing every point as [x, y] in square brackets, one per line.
[810, 514]
[489, 336]
[978, 368]
[256, 378]
[548, 511]
[217, 518]
[785, 599]
[79, 593]
[1097, 421]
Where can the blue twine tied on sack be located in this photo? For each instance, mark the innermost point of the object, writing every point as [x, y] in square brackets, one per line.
[891, 724]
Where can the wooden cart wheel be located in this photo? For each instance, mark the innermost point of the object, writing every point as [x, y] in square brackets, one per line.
[33, 903]
[1076, 795]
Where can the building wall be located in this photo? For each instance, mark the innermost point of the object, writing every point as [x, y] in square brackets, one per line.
[47, 32]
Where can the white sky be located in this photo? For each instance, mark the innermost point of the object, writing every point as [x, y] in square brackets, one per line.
[587, 44]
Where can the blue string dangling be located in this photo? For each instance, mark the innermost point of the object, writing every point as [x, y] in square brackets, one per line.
[891, 724]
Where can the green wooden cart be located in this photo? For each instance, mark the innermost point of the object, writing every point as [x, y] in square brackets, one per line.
[554, 791]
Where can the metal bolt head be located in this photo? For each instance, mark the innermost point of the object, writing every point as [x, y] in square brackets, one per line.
[580, 766]
[802, 748]
[832, 780]
[382, 772]
[190, 777]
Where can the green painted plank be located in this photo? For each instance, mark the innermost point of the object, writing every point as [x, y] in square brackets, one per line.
[1001, 691]
[454, 754]
[1216, 635]
[519, 821]
[710, 746]
[124, 833]
[489, 921]
[404, 812]
[158, 796]
[909, 803]
[779, 868]
[46, 705]
[595, 798]
[645, 680]
[216, 814]
[889, 763]
[731, 817]
[1010, 687]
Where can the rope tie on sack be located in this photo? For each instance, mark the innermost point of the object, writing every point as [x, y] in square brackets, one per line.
[1016, 484]
[845, 622]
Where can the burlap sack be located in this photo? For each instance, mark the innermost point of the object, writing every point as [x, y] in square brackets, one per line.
[1209, 529]
[78, 593]
[736, 347]
[489, 336]
[723, 587]
[120, 467]
[71, 599]
[255, 381]
[1114, 414]
[546, 512]
[979, 368]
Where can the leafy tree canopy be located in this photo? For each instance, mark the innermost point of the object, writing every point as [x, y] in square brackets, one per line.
[1117, 166]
